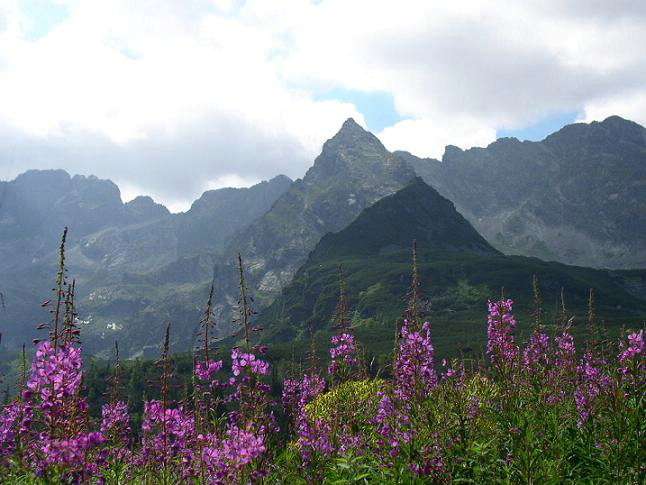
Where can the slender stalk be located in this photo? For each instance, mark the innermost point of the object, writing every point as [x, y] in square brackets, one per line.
[538, 304]
[413, 310]
[114, 396]
[341, 313]
[206, 323]
[59, 289]
[244, 305]
[23, 372]
[313, 355]
[164, 392]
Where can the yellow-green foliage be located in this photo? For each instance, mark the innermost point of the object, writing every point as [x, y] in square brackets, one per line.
[481, 387]
[352, 400]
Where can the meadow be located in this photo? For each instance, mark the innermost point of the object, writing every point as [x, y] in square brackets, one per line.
[546, 410]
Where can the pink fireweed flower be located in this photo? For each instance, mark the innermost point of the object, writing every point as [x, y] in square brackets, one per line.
[240, 360]
[432, 464]
[290, 396]
[15, 423]
[167, 433]
[226, 458]
[55, 376]
[565, 351]
[314, 436]
[632, 364]
[536, 352]
[635, 346]
[70, 452]
[501, 347]
[592, 382]
[205, 370]
[311, 386]
[251, 393]
[343, 354]
[115, 421]
[414, 369]
[392, 426]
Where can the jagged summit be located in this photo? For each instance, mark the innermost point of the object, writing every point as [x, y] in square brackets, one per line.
[354, 154]
[576, 197]
[350, 125]
[352, 135]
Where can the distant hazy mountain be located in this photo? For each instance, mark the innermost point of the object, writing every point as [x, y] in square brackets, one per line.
[578, 197]
[110, 245]
[219, 213]
[459, 271]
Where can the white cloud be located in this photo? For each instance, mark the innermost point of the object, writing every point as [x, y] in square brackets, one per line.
[630, 106]
[170, 96]
[428, 138]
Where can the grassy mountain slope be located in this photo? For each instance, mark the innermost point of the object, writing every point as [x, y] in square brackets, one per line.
[459, 271]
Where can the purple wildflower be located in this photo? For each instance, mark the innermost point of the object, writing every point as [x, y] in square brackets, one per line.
[635, 346]
[501, 347]
[205, 370]
[228, 458]
[536, 352]
[15, 423]
[115, 422]
[414, 370]
[167, 433]
[343, 355]
[592, 384]
[55, 378]
[240, 360]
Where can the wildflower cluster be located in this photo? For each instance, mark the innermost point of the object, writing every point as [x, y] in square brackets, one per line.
[501, 347]
[534, 413]
[343, 356]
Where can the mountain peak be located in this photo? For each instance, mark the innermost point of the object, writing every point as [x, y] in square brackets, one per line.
[281, 178]
[417, 211]
[350, 124]
[356, 156]
[604, 133]
[353, 132]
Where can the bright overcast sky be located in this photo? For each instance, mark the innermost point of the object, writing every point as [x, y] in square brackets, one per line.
[171, 97]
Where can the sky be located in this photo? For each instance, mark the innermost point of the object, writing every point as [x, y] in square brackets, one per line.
[170, 98]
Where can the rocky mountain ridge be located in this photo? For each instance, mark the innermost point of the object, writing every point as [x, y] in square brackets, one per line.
[110, 245]
[578, 196]
[138, 265]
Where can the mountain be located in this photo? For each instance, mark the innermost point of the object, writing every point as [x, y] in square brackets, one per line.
[219, 213]
[138, 266]
[353, 171]
[459, 271]
[118, 253]
[415, 212]
[578, 197]
[35, 207]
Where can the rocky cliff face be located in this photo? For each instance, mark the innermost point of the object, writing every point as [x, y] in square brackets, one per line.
[353, 171]
[578, 197]
[219, 213]
[123, 256]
